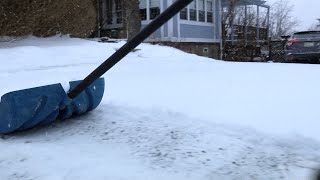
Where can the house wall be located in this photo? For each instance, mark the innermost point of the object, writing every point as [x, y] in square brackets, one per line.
[175, 26]
[155, 35]
[177, 30]
[190, 36]
[196, 31]
[165, 28]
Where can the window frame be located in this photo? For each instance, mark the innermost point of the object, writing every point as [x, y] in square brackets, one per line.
[143, 10]
[148, 10]
[186, 11]
[203, 10]
[198, 18]
[193, 11]
[212, 10]
[154, 9]
[113, 14]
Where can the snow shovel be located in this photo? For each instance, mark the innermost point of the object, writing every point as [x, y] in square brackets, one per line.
[25, 109]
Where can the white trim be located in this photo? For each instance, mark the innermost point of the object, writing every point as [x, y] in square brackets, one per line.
[196, 23]
[195, 40]
[170, 39]
[178, 24]
[214, 18]
[145, 22]
[170, 23]
[113, 26]
[199, 40]
[153, 40]
[197, 10]
[148, 10]
[236, 40]
[206, 11]
[188, 13]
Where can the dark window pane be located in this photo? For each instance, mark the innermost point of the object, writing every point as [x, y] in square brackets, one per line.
[193, 14]
[143, 9]
[209, 17]
[154, 8]
[109, 12]
[154, 12]
[143, 14]
[119, 17]
[109, 18]
[202, 16]
[184, 14]
[118, 5]
[193, 11]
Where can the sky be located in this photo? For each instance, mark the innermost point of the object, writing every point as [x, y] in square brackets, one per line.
[306, 11]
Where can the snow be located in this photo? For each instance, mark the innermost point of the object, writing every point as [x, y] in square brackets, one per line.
[166, 114]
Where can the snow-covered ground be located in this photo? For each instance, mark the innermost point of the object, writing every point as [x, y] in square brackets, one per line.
[166, 114]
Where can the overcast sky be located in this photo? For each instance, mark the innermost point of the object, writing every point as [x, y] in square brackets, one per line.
[307, 11]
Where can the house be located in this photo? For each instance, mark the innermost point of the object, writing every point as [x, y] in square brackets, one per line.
[196, 29]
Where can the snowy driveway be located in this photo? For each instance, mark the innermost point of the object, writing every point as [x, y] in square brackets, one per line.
[165, 115]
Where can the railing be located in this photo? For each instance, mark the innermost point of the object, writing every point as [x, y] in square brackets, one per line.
[249, 34]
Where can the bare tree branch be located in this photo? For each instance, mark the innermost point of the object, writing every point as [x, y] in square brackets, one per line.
[282, 22]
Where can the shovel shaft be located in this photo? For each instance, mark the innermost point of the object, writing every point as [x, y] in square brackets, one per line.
[129, 46]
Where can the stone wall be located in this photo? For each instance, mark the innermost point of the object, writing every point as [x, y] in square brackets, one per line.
[44, 18]
[211, 50]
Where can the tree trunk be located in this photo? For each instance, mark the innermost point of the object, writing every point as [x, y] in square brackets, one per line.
[132, 20]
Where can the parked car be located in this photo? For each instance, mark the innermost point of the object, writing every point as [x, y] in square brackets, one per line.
[303, 47]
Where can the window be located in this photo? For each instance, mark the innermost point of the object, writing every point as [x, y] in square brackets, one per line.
[109, 12]
[154, 8]
[209, 11]
[143, 9]
[113, 12]
[149, 9]
[118, 11]
[184, 14]
[202, 10]
[193, 11]
[199, 10]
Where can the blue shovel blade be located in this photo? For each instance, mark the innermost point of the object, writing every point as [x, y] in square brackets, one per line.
[25, 109]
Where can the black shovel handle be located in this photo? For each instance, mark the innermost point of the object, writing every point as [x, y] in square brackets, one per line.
[129, 46]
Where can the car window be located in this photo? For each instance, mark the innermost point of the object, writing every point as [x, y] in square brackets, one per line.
[307, 35]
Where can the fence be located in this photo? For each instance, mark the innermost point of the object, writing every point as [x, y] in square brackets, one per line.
[273, 50]
[277, 50]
